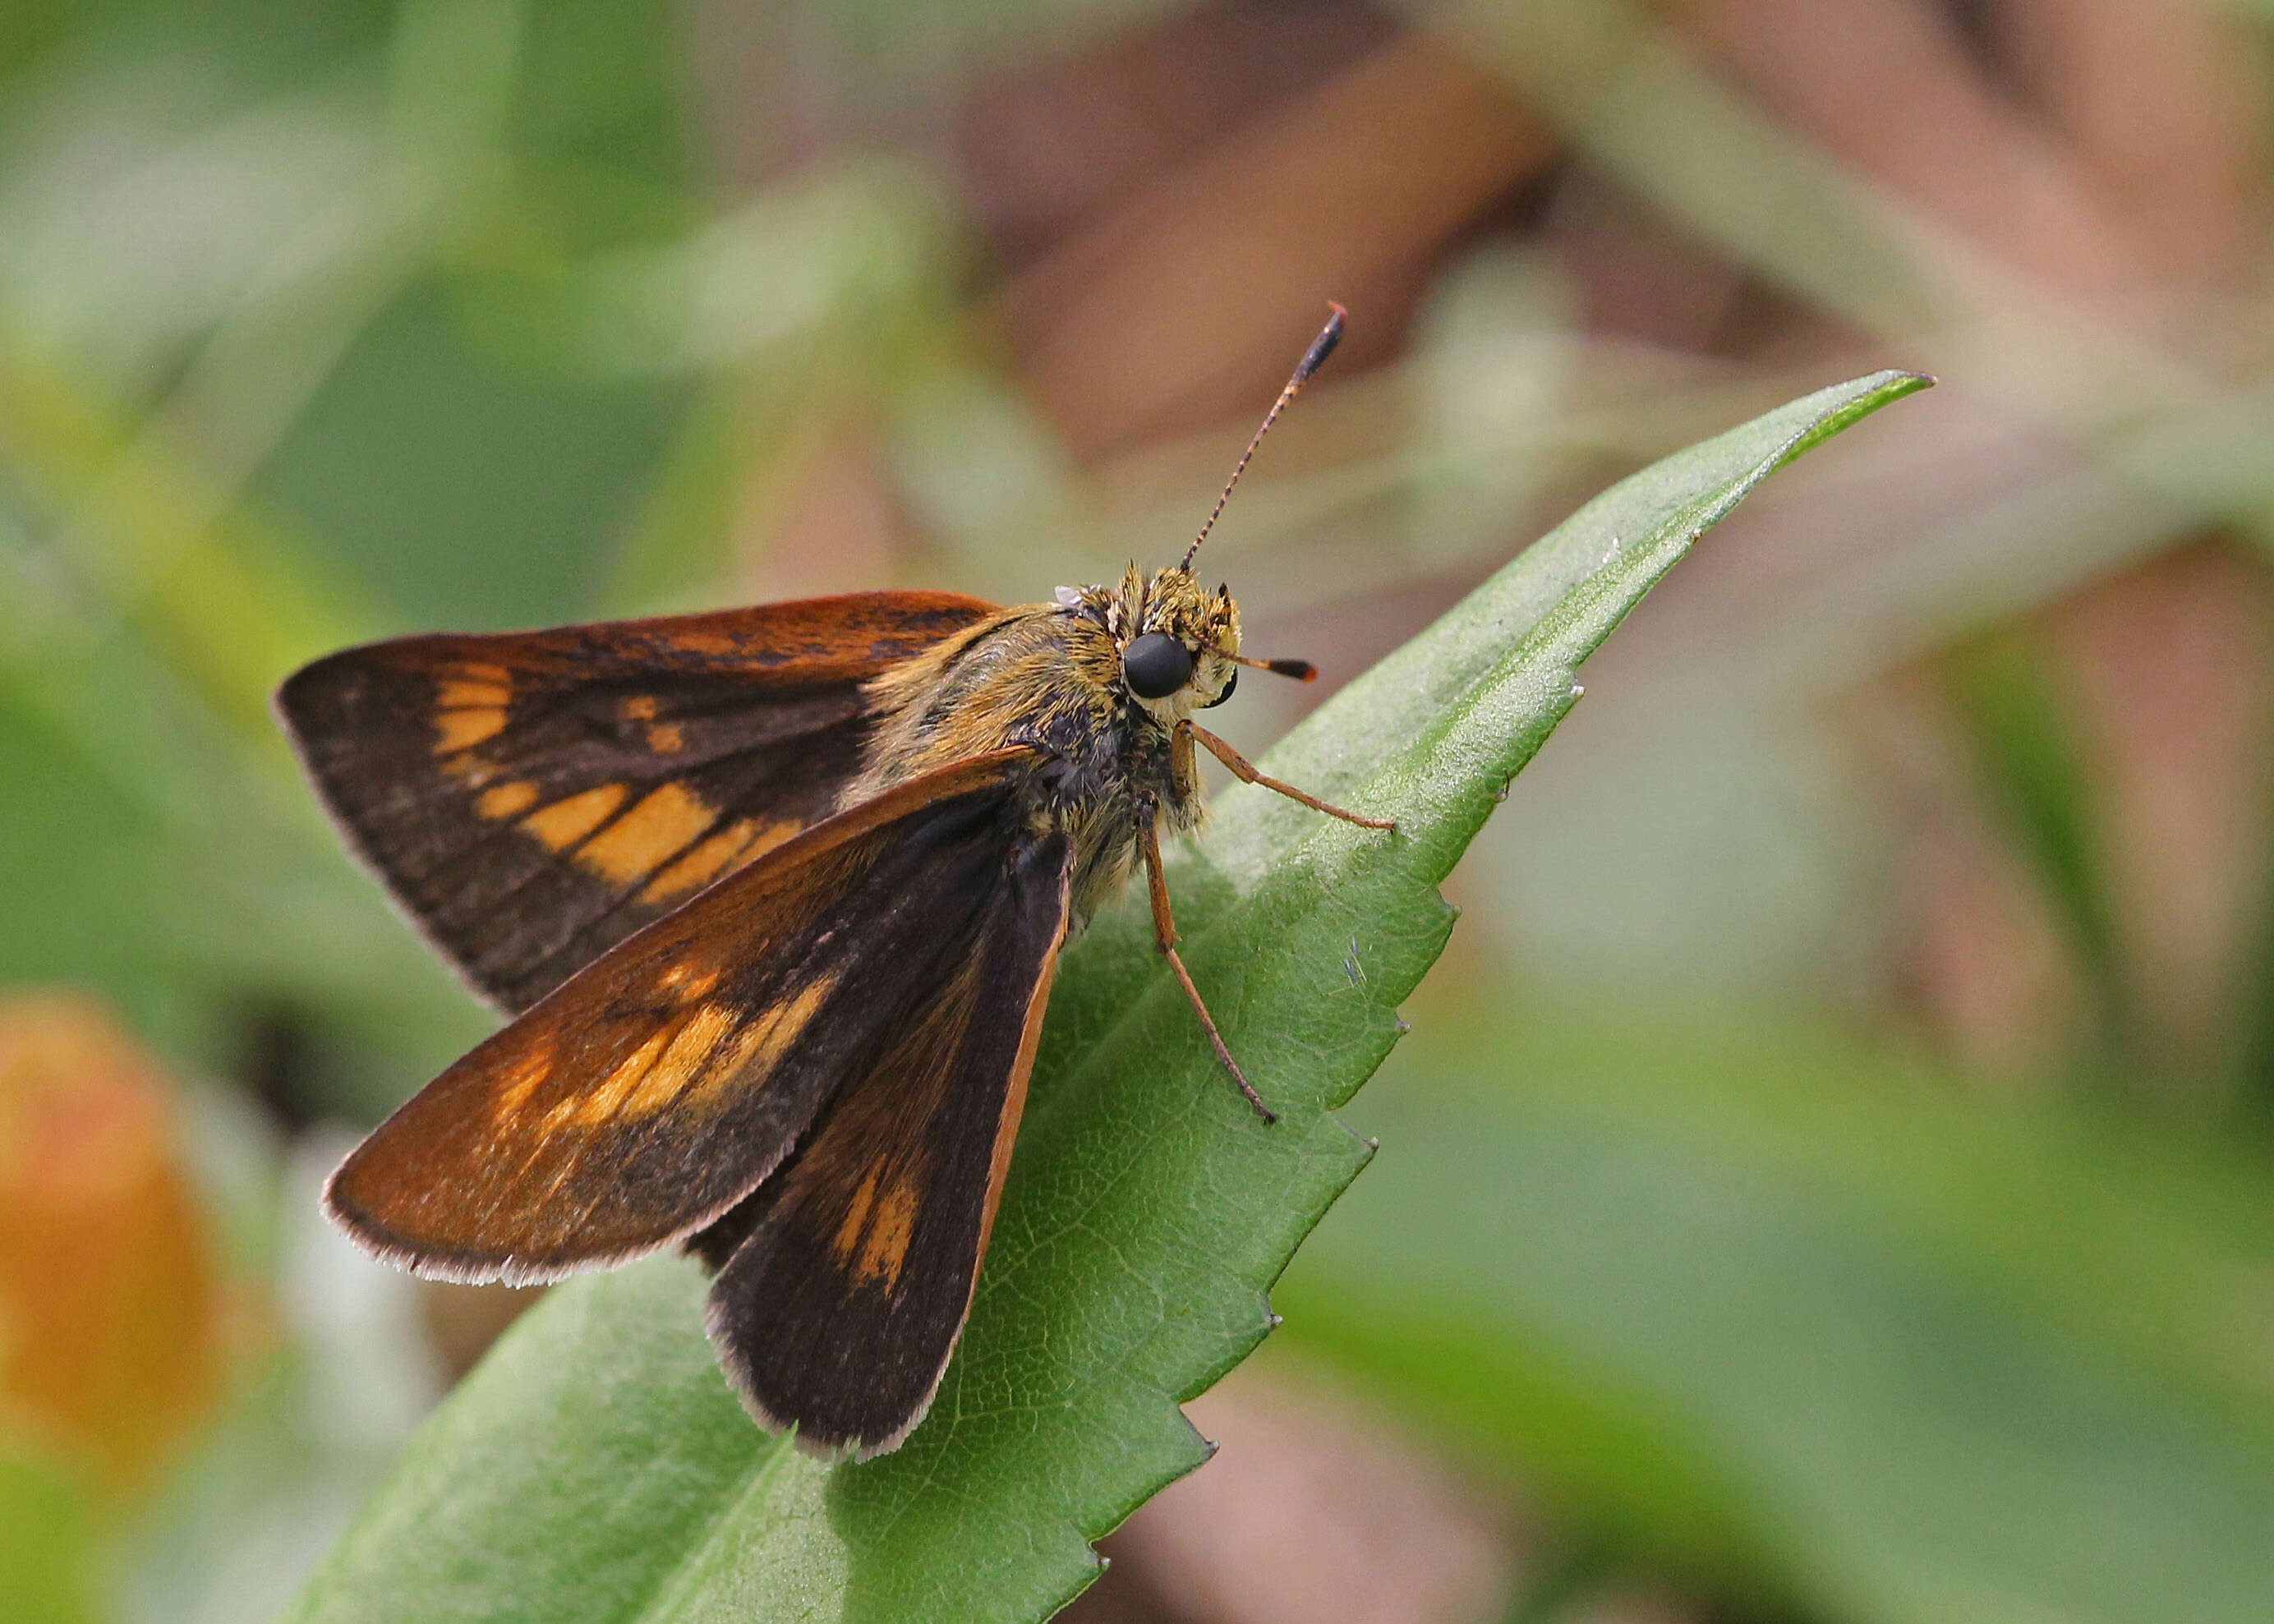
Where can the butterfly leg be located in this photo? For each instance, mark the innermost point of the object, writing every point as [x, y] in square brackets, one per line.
[1164, 932]
[1246, 773]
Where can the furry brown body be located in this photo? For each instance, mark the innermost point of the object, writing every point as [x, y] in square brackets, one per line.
[1110, 763]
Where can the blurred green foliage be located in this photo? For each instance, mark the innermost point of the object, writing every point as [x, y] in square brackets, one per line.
[1812, 1322]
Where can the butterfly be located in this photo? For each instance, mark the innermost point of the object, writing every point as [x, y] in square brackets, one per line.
[774, 896]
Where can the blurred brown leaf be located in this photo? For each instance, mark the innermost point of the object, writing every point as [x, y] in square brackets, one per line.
[2169, 669]
[1179, 309]
[1312, 1510]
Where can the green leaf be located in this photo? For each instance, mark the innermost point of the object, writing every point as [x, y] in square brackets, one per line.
[1812, 1324]
[595, 1468]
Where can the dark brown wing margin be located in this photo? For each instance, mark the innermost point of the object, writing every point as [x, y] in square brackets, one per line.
[533, 797]
[846, 1278]
[655, 1089]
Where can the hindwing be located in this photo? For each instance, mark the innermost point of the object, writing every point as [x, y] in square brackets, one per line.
[844, 1280]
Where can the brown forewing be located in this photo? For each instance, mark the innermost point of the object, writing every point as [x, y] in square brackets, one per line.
[532, 799]
[659, 1086]
[844, 1281]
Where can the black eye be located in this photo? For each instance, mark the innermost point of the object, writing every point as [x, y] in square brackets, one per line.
[1155, 665]
[1230, 683]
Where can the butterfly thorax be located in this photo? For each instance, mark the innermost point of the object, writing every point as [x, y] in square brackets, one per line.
[1052, 675]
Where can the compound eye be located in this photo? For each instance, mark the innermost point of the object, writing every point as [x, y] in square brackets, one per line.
[1155, 665]
[1230, 683]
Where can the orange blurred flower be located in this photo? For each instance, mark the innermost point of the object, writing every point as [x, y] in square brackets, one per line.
[111, 1314]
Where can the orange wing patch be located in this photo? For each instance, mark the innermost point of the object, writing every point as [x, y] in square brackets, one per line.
[756, 1049]
[664, 737]
[663, 823]
[685, 981]
[565, 823]
[666, 838]
[470, 698]
[704, 1047]
[651, 1075]
[729, 848]
[520, 1079]
[873, 1240]
[669, 838]
[503, 800]
[475, 685]
[464, 728]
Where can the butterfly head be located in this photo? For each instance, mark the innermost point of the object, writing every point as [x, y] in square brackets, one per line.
[1180, 642]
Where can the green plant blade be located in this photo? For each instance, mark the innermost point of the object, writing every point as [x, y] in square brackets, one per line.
[594, 1468]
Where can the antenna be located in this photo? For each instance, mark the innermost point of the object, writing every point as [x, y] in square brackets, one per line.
[1322, 347]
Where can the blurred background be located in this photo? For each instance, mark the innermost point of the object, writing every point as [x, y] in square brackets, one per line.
[1829, 1178]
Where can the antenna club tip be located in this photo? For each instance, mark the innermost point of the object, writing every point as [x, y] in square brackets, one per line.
[1322, 347]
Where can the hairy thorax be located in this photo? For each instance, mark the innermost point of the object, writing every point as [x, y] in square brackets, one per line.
[1049, 675]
